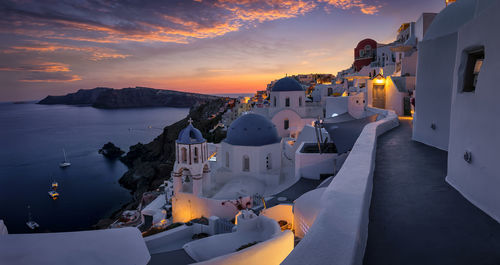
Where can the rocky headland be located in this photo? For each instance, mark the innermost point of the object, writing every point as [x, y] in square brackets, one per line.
[132, 97]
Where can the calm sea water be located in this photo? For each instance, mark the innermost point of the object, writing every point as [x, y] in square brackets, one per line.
[32, 138]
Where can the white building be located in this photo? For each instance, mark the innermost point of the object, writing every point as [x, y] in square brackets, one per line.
[435, 72]
[248, 163]
[288, 109]
[252, 148]
[461, 98]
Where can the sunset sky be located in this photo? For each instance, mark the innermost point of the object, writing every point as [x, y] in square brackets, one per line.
[206, 46]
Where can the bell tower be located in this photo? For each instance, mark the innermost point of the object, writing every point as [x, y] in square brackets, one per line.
[191, 172]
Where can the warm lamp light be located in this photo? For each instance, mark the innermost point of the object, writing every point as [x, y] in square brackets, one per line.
[379, 80]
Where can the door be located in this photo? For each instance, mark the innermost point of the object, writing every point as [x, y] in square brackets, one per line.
[378, 96]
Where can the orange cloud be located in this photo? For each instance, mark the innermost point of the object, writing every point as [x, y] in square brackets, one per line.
[349, 4]
[217, 18]
[48, 67]
[96, 53]
[69, 78]
[47, 72]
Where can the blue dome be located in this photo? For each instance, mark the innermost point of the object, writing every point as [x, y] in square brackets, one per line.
[252, 130]
[190, 135]
[287, 84]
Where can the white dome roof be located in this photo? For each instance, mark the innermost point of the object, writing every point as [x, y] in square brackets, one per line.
[450, 19]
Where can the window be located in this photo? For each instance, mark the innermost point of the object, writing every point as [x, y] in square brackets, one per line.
[227, 159]
[287, 102]
[184, 155]
[300, 101]
[195, 159]
[286, 124]
[330, 91]
[269, 164]
[473, 66]
[246, 163]
[362, 53]
[275, 101]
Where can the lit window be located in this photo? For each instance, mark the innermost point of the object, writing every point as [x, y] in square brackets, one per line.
[473, 66]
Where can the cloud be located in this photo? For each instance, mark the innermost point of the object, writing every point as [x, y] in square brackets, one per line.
[51, 78]
[368, 9]
[96, 53]
[48, 67]
[171, 21]
[43, 72]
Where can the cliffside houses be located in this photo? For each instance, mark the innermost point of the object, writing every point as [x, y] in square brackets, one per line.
[275, 170]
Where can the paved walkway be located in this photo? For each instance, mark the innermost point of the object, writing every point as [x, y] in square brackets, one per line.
[416, 217]
[176, 257]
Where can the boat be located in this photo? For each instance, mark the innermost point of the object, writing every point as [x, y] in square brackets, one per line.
[31, 224]
[65, 163]
[53, 194]
[55, 185]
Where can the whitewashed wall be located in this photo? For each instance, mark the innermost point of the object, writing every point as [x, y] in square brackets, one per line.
[475, 126]
[274, 245]
[186, 206]
[434, 85]
[312, 165]
[436, 61]
[340, 231]
[336, 105]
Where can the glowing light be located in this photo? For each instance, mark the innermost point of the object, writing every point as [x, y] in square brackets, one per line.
[379, 80]
[334, 115]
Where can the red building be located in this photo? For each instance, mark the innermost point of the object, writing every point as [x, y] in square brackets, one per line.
[364, 53]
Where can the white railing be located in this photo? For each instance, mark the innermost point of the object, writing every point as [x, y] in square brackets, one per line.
[340, 231]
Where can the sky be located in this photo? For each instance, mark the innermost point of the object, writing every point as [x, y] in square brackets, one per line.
[55, 47]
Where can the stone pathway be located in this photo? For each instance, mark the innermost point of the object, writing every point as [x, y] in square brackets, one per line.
[418, 218]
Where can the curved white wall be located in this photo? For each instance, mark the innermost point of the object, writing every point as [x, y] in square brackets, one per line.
[339, 233]
[220, 249]
[474, 118]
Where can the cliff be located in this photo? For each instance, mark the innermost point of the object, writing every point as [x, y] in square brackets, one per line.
[137, 97]
[81, 97]
[150, 164]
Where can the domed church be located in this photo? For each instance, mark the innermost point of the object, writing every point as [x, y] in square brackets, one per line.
[287, 109]
[252, 147]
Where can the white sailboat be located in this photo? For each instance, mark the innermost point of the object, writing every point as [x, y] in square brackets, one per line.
[65, 163]
[31, 224]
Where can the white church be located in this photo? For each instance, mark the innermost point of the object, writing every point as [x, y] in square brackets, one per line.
[288, 109]
[248, 163]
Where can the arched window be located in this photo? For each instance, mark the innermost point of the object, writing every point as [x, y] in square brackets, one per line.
[286, 124]
[184, 155]
[195, 158]
[227, 159]
[246, 163]
[287, 102]
[269, 164]
[300, 101]
[275, 101]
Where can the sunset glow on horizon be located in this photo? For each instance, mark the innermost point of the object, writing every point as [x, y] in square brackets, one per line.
[203, 46]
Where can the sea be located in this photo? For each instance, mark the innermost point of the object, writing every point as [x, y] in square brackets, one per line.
[32, 140]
